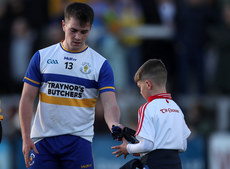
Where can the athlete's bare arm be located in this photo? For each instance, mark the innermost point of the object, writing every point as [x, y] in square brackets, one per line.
[111, 109]
[29, 94]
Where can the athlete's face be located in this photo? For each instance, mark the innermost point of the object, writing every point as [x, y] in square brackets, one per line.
[144, 88]
[75, 34]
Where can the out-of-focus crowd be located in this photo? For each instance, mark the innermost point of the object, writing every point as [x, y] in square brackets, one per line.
[195, 53]
[192, 37]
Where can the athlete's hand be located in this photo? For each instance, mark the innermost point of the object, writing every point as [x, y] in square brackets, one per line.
[121, 149]
[28, 145]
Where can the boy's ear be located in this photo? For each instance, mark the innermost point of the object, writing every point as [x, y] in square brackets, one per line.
[149, 84]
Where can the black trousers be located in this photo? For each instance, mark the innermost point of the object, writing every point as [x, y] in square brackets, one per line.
[162, 159]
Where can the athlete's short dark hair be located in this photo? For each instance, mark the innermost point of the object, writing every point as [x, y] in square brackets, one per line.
[153, 69]
[81, 11]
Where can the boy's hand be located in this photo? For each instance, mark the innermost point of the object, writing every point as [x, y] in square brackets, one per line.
[121, 149]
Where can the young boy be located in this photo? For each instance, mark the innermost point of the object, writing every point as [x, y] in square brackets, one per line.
[162, 131]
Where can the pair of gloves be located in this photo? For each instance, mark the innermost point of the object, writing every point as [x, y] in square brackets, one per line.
[127, 133]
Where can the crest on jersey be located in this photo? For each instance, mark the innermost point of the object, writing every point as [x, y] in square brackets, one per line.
[85, 68]
[32, 157]
[164, 110]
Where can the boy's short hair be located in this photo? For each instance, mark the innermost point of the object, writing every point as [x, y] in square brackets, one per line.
[154, 70]
[81, 11]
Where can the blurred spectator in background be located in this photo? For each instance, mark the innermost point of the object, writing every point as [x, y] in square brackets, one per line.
[220, 41]
[109, 44]
[56, 8]
[130, 16]
[50, 34]
[9, 11]
[16, 8]
[11, 123]
[21, 48]
[167, 11]
[193, 19]
[99, 27]
[150, 47]
[160, 13]
[201, 119]
[36, 13]
[150, 11]
[12, 133]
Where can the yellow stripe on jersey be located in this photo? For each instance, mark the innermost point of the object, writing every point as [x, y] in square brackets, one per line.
[107, 88]
[90, 103]
[32, 80]
[73, 50]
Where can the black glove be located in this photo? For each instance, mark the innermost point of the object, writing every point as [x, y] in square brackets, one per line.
[117, 132]
[127, 133]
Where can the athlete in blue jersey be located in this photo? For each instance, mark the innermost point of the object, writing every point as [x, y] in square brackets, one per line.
[68, 76]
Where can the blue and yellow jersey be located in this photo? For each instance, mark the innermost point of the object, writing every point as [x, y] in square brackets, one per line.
[69, 83]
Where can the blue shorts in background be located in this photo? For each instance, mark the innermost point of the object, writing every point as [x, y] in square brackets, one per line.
[62, 152]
